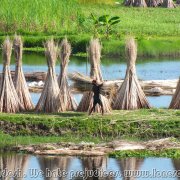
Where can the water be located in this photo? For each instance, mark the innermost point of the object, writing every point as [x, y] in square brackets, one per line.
[155, 101]
[112, 68]
[44, 167]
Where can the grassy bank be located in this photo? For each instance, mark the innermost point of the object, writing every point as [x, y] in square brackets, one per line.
[156, 29]
[147, 47]
[75, 127]
[169, 153]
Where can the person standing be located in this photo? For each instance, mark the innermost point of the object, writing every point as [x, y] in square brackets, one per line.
[96, 98]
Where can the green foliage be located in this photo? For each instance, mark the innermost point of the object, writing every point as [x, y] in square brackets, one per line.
[39, 20]
[104, 21]
[169, 153]
[108, 22]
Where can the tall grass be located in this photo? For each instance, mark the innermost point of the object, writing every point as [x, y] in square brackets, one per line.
[39, 15]
[73, 17]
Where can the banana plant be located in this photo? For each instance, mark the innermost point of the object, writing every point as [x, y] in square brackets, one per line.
[108, 22]
[105, 21]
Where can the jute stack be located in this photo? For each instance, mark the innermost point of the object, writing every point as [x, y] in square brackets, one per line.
[50, 99]
[175, 103]
[168, 4]
[86, 102]
[9, 101]
[67, 98]
[19, 78]
[130, 95]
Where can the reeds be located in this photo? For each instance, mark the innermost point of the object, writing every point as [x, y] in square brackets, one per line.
[86, 102]
[66, 97]
[49, 100]
[130, 95]
[9, 101]
[175, 103]
[19, 78]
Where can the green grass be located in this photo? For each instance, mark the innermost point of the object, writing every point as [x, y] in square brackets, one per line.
[157, 29]
[168, 153]
[71, 17]
[73, 126]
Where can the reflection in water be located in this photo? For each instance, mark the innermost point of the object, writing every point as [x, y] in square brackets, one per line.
[51, 167]
[129, 165]
[176, 163]
[15, 163]
[95, 165]
[54, 166]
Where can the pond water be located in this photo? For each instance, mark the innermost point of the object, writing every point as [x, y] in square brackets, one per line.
[66, 167]
[112, 68]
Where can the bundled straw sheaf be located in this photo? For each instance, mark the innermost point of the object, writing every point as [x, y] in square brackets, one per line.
[175, 103]
[86, 102]
[50, 100]
[67, 100]
[82, 83]
[130, 95]
[9, 101]
[19, 78]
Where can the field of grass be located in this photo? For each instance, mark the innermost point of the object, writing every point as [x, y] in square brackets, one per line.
[70, 17]
[42, 19]
[137, 125]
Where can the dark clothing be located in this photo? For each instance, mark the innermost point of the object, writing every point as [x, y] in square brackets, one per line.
[97, 101]
[96, 90]
[96, 98]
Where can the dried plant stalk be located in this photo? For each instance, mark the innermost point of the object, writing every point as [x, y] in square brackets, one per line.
[168, 4]
[130, 95]
[67, 98]
[19, 78]
[50, 98]
[86, 102]
[9, 101]
[175, 103]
